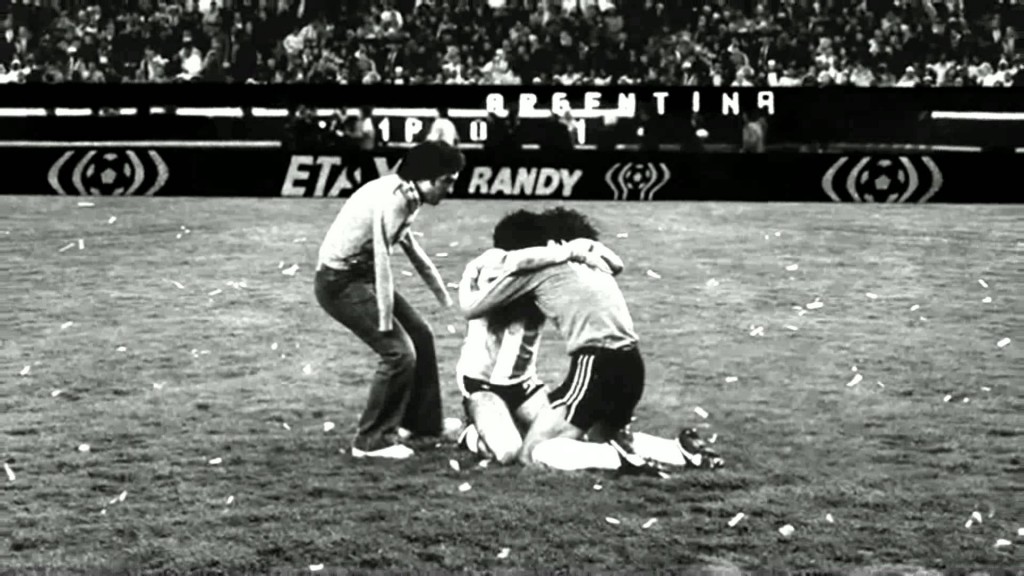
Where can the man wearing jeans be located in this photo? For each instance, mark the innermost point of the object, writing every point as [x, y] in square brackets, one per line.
[354, 285]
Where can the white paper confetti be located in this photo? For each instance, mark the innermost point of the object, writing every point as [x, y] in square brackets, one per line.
[406, 273]
[947, 397]
[214, 292]
[307, 369]
[701, 412]
[81, 244]
[316, 567]
[122, 349]
[67, 247]
[653, 274]
[879, 382]
[1003, 343]
[815, 305]
[84, 448]
[291, 270]
[328, 426]
[757, 330]
[778, 234]
[792, 267]
[787, 530]
[177, 284]
[649, 523]
[442, 254]
[976, 516]
[982, 282]
[450, 244]
[731, 379]
[67, 325]
[178, 236]
[830, 519]
[216, 461]
[504, 553]
[612, 521]
[1002, 542]
[55, 393]
[25, 371]
[451, 329]
[454, 465]
[986, 389]
[736, 519]
[452, 285]
[712, 283]
[915, 308]
[273, 346]
[968, 524]
[103, 512]
[713, 439]
[122, 496]
[112, 219]
[598, 487]
[1020, 532]
[85, 204]
[856, 380]
[229, 500]
[484, 463]
[622, 235]
[791, 327]
[871, 295]
[299, 240]
[285, 426]
[10, 473]
[465, 487]
[966, 400]
[158, 385]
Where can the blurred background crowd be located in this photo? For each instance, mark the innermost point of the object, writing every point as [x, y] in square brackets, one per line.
[742, 43]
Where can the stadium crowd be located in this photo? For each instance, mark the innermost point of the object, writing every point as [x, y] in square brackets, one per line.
[780, 43]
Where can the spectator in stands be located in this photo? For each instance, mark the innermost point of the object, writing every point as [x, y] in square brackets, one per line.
[587, 42]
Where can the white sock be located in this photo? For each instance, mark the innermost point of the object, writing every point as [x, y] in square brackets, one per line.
[568, 454]
[663, 450]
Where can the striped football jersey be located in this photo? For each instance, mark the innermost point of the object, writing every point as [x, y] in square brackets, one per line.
[508, 358]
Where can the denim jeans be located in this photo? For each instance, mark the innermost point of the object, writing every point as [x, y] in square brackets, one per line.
[406, 389]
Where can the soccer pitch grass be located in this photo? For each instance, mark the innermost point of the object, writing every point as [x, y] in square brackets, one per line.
[204, 402]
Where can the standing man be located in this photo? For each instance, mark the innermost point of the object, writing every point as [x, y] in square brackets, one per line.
[354, 285]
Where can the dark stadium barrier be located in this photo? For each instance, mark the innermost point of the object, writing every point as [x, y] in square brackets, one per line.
[610, 176]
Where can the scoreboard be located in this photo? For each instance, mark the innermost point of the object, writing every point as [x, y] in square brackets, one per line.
[588, 115]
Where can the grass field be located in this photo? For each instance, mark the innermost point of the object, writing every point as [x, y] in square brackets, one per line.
[160, 378]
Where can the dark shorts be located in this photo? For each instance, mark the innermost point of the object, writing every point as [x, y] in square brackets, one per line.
[603, 386]
[512, 396]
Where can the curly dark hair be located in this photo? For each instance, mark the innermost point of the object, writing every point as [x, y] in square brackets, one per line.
[520, 229]
[564, 224]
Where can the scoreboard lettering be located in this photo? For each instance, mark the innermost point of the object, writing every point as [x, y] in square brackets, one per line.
[587, 115]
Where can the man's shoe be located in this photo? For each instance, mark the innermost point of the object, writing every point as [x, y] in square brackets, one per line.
[696, 452]
[392, 452]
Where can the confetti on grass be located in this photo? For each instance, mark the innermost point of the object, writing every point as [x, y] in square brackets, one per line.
[291, 270]
[731, 379]
[649, 523]
[986, 300]
[465, 487]
[112, 220]
[85, 204]
[25, 371]
[1002, 542]
[84, 448]
[792, 267]
[454, 465]
[815, 305]
[229, 501]
[214, 292]
[653, 274]
[598, 487]
[328, 426]
[10, 473]
[307, 369]
[787, 530]
[67, 247]
[871, 295]
[612, 521]
[1003, 343]
[503, 554]
[622, 235]
[736, 519]
[216, 461]
[982, 282]
[830, 519]
[856, 380]
[81, 244]
[66, 325]
[701, 412]
[316, 567]
[915, 308]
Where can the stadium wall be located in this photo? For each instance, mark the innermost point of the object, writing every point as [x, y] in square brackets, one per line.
[264, 169]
